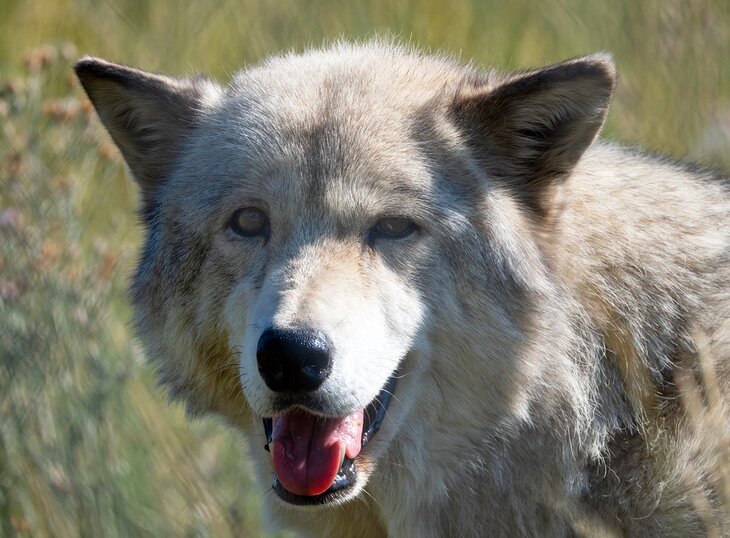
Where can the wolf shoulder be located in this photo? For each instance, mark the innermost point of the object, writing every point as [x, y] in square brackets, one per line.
[648, 201]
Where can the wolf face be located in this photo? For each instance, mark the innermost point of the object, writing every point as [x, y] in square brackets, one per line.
[350, 255]
[310, 221]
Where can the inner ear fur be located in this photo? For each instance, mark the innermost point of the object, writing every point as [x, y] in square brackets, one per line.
[148, 115]
[530, 129]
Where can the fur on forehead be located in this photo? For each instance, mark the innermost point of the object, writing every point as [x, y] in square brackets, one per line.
[335, 105]
[391, 74]
[347, 92]
[294, 121]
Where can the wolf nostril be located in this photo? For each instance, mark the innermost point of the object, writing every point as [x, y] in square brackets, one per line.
[293, 360]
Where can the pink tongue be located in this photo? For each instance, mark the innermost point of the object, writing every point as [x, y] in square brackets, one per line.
[307, 450]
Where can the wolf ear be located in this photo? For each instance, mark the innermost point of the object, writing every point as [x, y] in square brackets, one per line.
[147, 115]
[531, 129]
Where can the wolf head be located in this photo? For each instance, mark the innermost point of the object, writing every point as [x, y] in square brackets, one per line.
[350, 231]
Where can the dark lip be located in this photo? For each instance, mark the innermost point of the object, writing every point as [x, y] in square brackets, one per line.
[347, 474]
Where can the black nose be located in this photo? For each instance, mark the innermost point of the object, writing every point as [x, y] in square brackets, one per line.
[293, 360]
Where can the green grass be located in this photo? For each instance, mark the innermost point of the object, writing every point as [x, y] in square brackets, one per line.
[88, 445]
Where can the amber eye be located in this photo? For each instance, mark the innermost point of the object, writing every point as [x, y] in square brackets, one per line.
[248, 222]
[394, 228]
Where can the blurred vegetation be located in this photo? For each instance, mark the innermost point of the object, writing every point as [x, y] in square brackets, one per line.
[88, 446]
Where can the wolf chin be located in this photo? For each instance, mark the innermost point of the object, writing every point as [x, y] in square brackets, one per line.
[434, 303]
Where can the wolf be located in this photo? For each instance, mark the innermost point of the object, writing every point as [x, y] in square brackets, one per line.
[434, 303]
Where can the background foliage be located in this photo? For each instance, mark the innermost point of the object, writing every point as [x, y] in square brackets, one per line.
[88, 446]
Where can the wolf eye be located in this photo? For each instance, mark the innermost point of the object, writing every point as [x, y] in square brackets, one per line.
[394, 228]
[248, 221]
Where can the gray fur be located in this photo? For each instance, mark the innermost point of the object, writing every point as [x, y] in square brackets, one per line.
[556, 293]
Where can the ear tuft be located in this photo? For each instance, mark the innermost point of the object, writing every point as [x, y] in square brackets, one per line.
[148, 115]
[531, 129]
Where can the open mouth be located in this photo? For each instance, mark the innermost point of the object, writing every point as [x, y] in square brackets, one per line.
[315, 457]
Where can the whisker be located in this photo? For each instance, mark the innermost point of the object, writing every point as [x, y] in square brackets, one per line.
[366, 492]
[392, 395]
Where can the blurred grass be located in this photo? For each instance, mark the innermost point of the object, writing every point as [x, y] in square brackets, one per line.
[88, 447]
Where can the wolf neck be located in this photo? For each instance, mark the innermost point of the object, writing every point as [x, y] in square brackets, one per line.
[499, 477]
